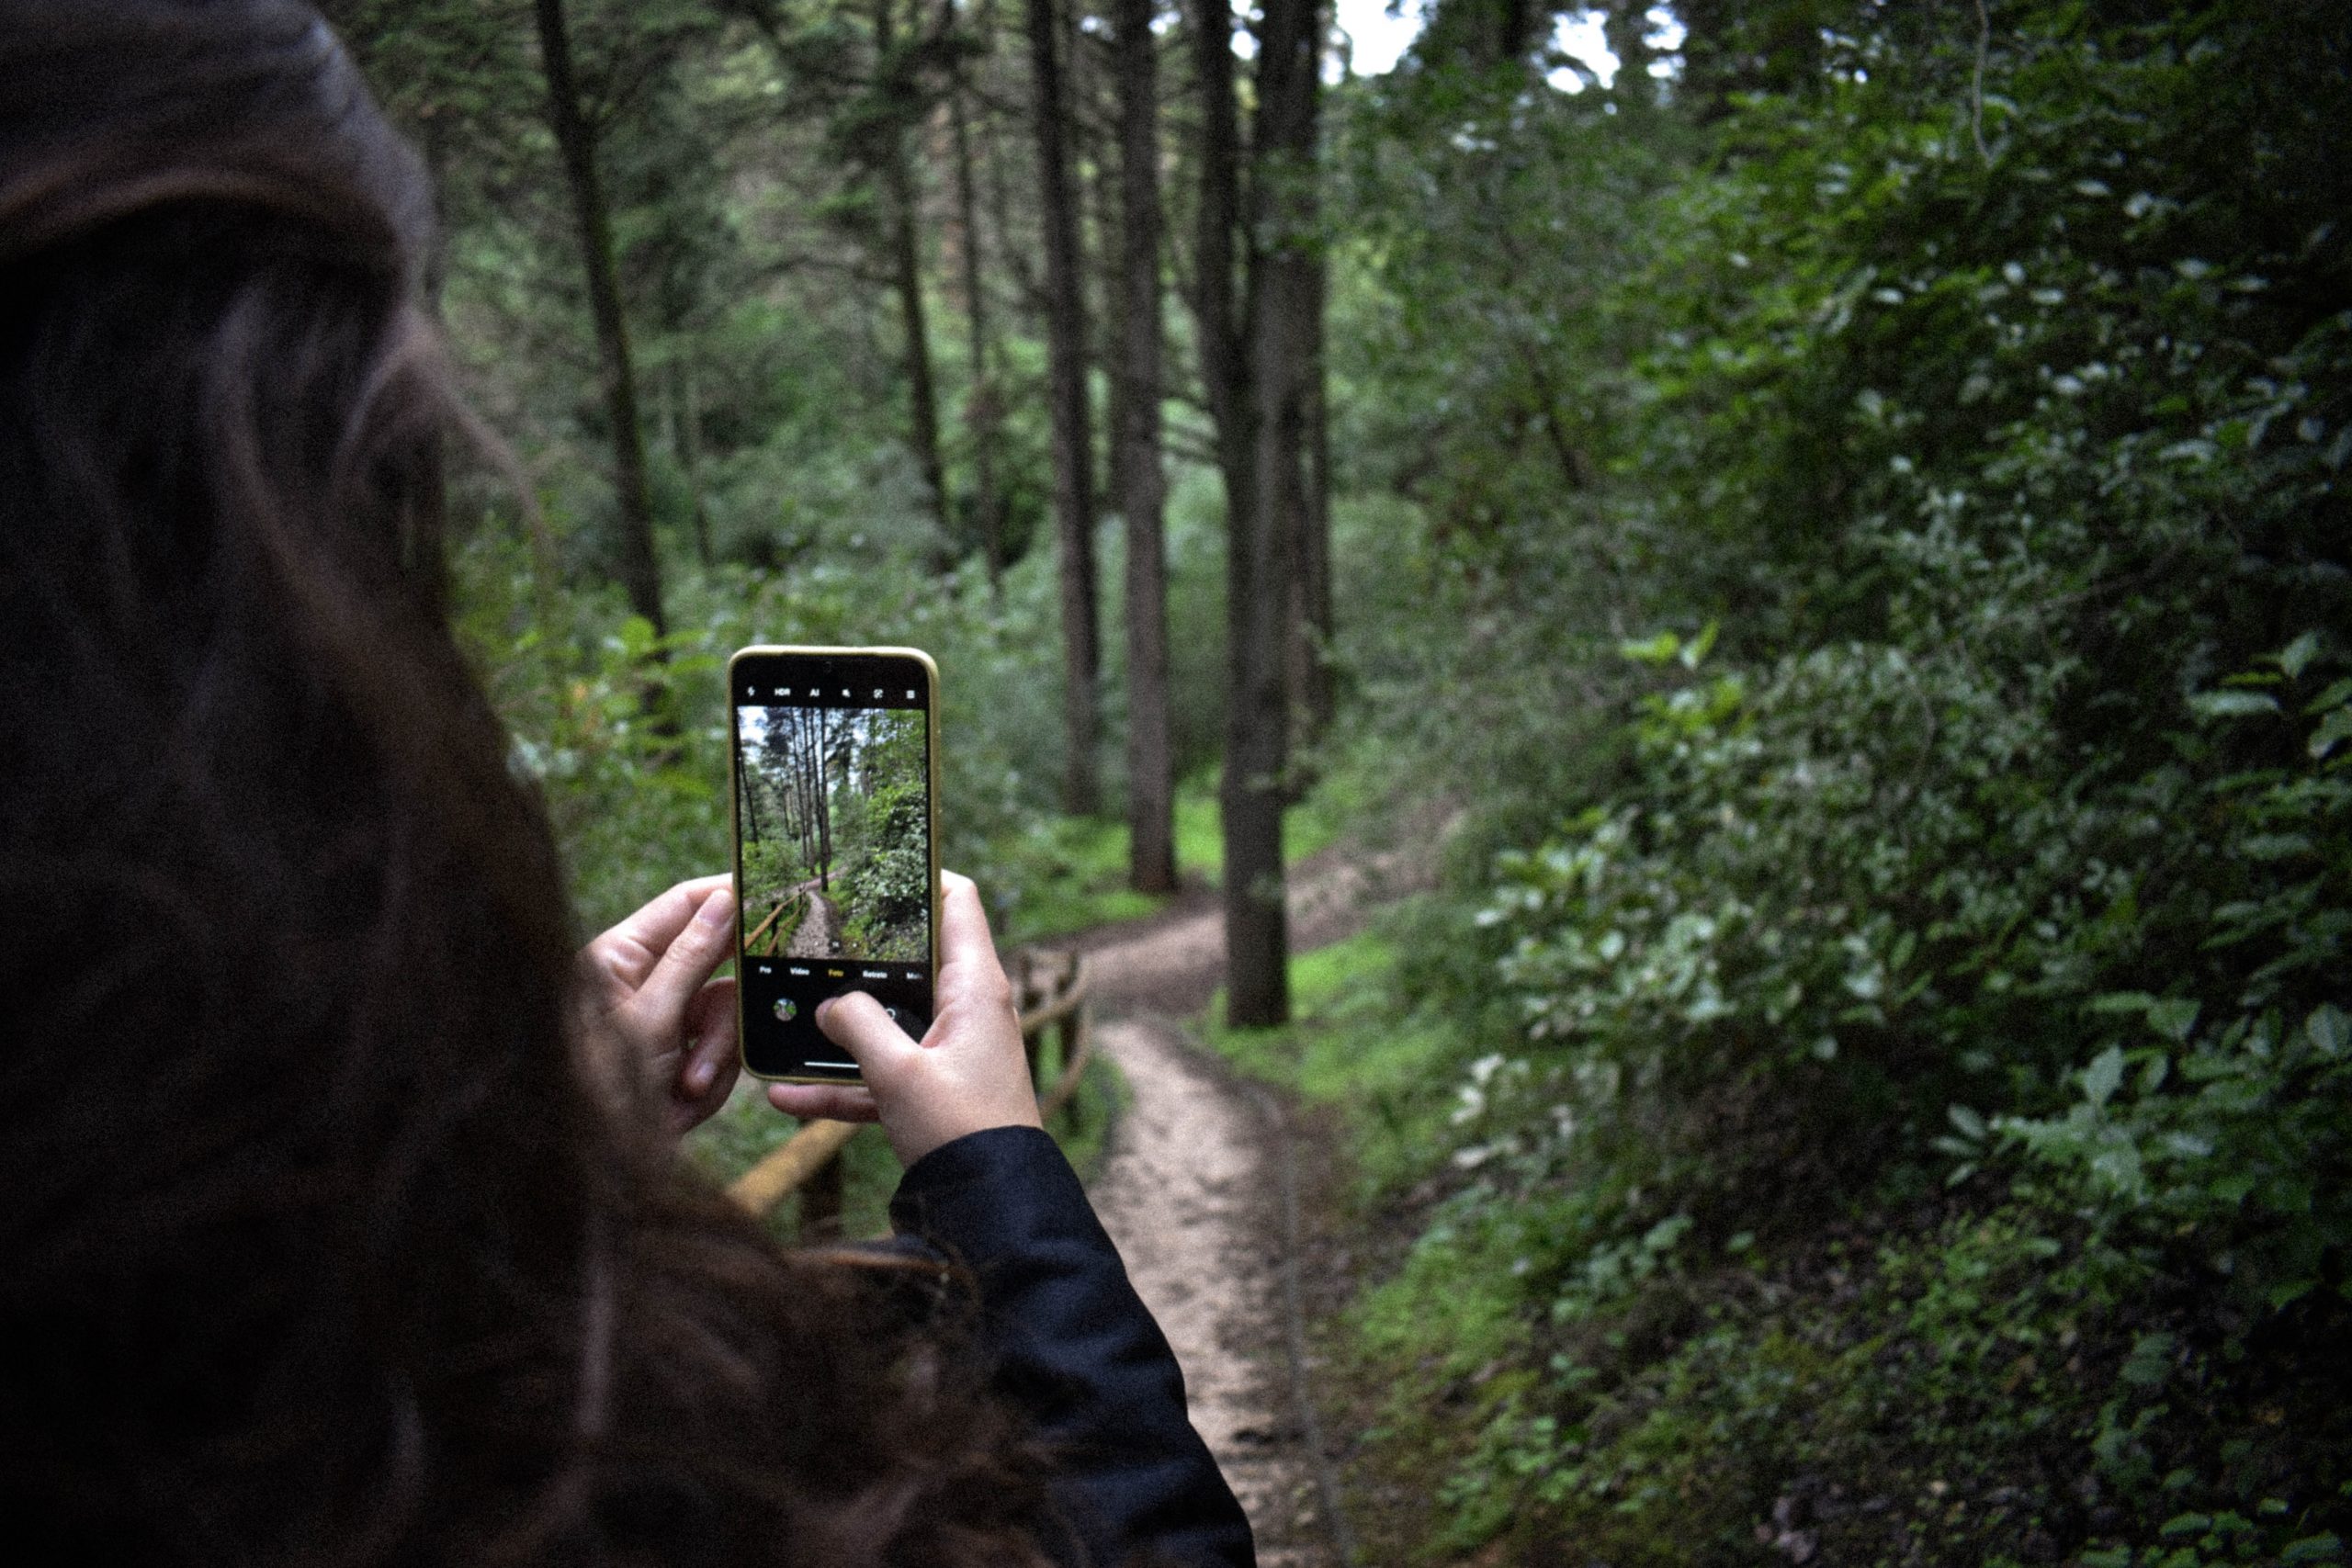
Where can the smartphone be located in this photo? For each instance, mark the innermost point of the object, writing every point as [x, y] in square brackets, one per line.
[836, 796]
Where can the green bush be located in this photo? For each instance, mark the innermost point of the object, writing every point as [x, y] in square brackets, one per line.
[1900, 1031]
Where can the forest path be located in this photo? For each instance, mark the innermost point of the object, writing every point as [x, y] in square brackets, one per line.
[820, 928]
[1187, 1192]
[1173, 962]
[1195, 1182]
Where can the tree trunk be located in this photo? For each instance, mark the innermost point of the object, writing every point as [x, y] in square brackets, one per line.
[824, 808]
[689, 451]
[640, 567]
[980, 409]
[921, 390]
[1258, 721]
[743, 792]
[1216, 312]
[1151, 788]
[1073, 438]
[804, 815]
[1256, 938]
[1094, 149]
[906, 266]
[1314, 690]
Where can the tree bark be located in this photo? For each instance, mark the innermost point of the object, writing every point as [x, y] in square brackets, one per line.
[1151, 789]
[1234, 359]
[1073, 435]
[980, 410]
[1216, 305]
[1096, 148]
[921, 389]
[743, 793]
[906, 266]
[689, 451]
[1283, 295]
[576, 140]
[823, 748]
[1312, 625]
[1026, 294]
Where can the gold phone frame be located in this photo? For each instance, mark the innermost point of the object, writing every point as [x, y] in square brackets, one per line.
[735, 814]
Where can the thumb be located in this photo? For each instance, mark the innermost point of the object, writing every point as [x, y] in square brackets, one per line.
[860, 1025]
[692, 958]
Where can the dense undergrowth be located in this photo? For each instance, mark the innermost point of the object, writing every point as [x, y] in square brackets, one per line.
[1874, 1087]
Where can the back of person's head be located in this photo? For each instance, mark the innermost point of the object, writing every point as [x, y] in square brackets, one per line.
[315, 1243]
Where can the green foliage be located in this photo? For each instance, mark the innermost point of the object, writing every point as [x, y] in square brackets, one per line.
[1358, 1043]
[1073, 875]
[640, 801]
[1900, 1019]
[885, 878]
[2224, 1115]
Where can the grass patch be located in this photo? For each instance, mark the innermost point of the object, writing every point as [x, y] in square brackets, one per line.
[1200, 831]
[1313, 825]
[1354, 1043]
[1071, 874]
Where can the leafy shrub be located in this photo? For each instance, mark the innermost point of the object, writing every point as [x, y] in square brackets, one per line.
[1963, 876]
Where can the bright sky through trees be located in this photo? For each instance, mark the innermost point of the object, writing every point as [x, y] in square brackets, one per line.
[1381, 32]
[1380, 36]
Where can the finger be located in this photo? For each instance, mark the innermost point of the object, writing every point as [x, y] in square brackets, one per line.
[824, 1103]
[689, 1112]
[860, 1026]
[690, 959]
[711, 1051]
[628, 952]
[963, 938]
[971, 975]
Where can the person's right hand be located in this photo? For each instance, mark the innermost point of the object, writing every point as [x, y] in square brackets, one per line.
[968, 1072]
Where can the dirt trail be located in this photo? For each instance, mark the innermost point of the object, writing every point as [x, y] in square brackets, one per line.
[1192, 1187]
[820, 932]
[1185, 1193]
[1173, 962]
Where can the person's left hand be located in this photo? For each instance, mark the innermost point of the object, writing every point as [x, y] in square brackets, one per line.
[650, 980]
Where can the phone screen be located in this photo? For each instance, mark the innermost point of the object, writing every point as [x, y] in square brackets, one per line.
[834, 852]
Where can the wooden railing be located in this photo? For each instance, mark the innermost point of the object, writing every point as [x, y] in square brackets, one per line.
[751, 943]
[1049, 988]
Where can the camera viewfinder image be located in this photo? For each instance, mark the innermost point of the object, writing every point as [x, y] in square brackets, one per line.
[835, 820]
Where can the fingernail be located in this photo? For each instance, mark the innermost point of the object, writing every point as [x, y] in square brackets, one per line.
[699, 1077]
[716, 909]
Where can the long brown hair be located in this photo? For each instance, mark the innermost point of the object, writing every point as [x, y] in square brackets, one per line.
[315, 1243]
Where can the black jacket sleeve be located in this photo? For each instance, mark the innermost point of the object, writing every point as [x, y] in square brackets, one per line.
[1077, 1349]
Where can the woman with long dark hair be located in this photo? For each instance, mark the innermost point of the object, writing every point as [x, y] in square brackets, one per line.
[339, 1213]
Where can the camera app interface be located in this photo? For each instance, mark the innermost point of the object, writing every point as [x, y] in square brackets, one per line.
[832, 818]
